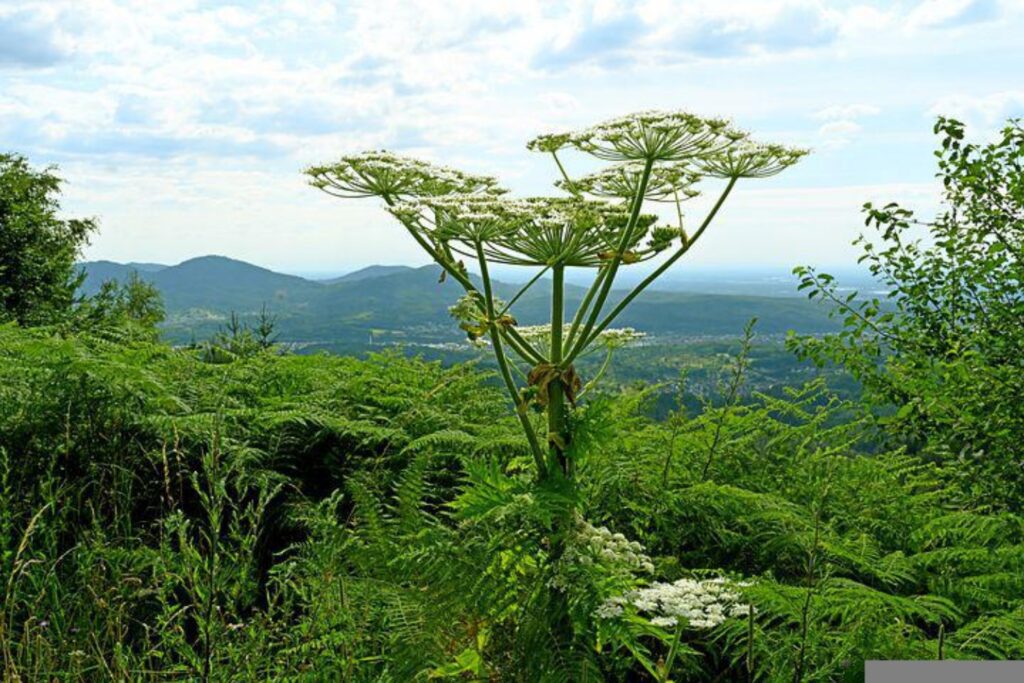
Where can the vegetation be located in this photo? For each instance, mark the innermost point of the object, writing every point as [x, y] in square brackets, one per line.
[38, 249]
[950, 356]
[408, 306]
[228, 511]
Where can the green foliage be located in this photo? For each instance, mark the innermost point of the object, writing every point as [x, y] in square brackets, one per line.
[38, 249]
[157, 492]
[941, 355]
[131, 309]
[240, 340]
[300, 518]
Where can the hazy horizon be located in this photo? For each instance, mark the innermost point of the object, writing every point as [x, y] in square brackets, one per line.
[772, 281]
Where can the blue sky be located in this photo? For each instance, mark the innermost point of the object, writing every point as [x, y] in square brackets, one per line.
[184, 125]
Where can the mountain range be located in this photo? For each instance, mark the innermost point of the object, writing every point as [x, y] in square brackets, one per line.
[385, 304]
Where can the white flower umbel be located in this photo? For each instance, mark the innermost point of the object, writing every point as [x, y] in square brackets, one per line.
[533, 231]
[750, 160]
[669, 183]
[693, 603]
[646, 136]
[589, 548]
[390, 176]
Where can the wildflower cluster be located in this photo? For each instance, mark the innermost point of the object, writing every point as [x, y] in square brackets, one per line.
[390, 176]
[690, 602]
[598, 544]
[646, 136]
[468, 309]
[597, 547]
[751, 160]
[673, 182]
[537, 231]
[662, 237]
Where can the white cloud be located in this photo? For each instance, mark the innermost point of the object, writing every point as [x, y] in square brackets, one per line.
[986, 111]
[952, 13]
[839, 129]
[841, 123]
[201, 114]
[846, 111]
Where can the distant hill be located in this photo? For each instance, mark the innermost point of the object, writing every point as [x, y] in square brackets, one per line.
[146, 267]
[401, 304]
[368, 273]
[98, 272]
[213, 283]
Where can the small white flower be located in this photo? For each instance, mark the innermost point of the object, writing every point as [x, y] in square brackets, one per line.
[609, 610]
[703, 604]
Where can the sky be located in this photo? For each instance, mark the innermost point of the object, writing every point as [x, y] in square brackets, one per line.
[183, 126]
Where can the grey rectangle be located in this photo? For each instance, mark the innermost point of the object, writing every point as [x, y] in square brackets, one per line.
[944, 672]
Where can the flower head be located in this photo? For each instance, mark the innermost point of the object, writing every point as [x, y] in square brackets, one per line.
[384, 174]
[700, 604]
[665, 183]
[646, 136]
[589, 547]
[663, 236]
[549, 142]
[532, 231]
[751, 160]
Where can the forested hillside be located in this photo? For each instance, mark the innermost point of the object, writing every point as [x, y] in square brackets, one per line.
[381, 305]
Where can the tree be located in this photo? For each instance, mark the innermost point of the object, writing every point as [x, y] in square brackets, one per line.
[237, 339]
[38, 248]
[133, 307]
[944, 350]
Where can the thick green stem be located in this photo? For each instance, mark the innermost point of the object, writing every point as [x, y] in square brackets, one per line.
[626, 300]
[557, 437]
[506, 376]
[613, 266]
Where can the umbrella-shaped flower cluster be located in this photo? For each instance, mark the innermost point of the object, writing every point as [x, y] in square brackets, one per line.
[750, 160]
[392, 177]
[697, 604]
[647, 135]
[591, 545]
[667, 183]
[535, 231]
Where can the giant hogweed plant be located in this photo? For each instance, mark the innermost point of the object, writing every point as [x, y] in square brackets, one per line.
[599, 223]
